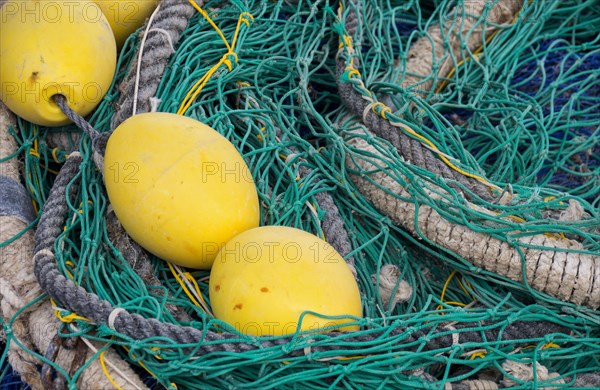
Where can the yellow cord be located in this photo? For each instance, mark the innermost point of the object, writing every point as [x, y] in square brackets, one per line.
[550, 345]
[443, 157]
[183, 286]
[245, 18]
[383, 111]
[446, 284]
[110, 379]
[68, 318]
[210, 21]
[192, 280]
[479, 354]
[351, 72]
[203, 305]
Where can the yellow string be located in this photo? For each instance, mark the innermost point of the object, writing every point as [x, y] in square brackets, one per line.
[545, 346]
[347, 41]
[444, 158]
[197, 88]
[72, 265]
[384, 109]
[210, 21]
[351, 72]
[351, 357]
[54, 155]
[110, 379]
[34, 151]
[241, 20]
[245, 18]
[446, 284]
[463, 287]
[68, 318]
[260, 136]
[184, 287]
[479, 354]
[550, 345]
[192, 280]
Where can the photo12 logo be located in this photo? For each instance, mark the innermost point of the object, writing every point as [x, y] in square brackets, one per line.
[274, 328]
[34, 91]
[290, 252]
[52, 11]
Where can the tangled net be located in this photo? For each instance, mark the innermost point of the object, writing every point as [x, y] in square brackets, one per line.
[519, 114]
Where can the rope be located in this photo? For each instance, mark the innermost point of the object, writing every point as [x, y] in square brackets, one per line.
[361, 103]
[173, 18]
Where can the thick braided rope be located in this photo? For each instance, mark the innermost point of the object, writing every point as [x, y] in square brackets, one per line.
[411, 149]
[76, 299]
[561, 270]
[171, 19]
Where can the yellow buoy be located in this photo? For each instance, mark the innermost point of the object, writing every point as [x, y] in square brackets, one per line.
[265, 278]
[180, 189]
[126, 16]
[54, 47]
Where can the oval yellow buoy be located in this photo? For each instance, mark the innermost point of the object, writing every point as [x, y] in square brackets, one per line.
[54, 47]
[180, 189]
[265, 278]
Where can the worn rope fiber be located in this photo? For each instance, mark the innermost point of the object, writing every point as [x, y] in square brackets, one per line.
[573, 277]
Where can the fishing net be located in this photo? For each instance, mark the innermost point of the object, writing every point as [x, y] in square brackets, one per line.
[323, 99]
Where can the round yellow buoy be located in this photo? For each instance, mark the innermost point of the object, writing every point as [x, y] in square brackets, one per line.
[126, 16]
[54, 47]
[179, 188]
[265, 278]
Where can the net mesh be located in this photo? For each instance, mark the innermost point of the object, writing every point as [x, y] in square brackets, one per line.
[524, 109]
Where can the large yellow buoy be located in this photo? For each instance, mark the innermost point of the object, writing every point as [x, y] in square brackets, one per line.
[54, 47]
[126, 16]
[179, 188]
[265, 278]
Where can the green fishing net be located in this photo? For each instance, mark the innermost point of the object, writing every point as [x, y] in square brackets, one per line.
[524, 110]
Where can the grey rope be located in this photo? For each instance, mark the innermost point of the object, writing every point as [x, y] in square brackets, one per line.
[591, 379]
[172, 19]
[15, 201]
[333, 226]
[98, 139]
[411, 149]
[76, 299]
